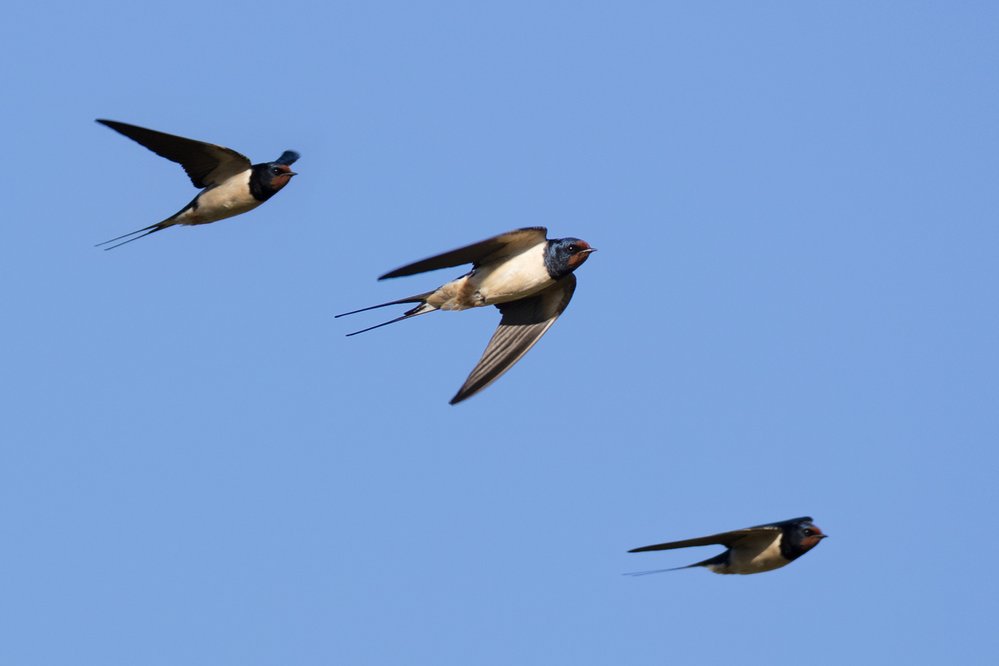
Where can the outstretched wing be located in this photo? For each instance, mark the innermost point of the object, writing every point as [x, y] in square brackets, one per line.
[523, 323]
[205, 163]
[491, 249]
[763, 533]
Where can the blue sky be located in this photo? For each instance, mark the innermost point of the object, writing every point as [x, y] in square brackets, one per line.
[793, 312]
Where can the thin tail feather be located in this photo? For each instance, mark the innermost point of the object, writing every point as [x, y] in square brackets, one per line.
[384, 323]
[151, 229]
[419, 298]
[421, 308]
[655, 571]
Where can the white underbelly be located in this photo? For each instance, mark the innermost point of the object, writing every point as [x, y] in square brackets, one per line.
[513, 279]
[230, 198]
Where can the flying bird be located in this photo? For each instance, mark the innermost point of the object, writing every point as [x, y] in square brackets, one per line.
[751, 550]
[229, 184]
[524, 274]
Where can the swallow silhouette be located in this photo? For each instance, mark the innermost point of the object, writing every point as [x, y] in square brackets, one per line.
[750, 550]
[229, 184]
[528, 277]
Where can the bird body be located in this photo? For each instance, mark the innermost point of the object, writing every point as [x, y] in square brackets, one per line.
[517, 277]
[751, 550]
[753, 557]
[219, 202]
[230, 184]
[524, 274]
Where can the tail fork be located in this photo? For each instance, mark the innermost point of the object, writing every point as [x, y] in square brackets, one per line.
[421, 308]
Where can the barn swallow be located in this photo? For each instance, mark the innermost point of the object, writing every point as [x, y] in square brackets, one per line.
[229, 184]
[751, 550]
[526, 276]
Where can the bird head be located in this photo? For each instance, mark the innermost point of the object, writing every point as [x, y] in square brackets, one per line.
[275, 175]
[564, 255]
[806, 535]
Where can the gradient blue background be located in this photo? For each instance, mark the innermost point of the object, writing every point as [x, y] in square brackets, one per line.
[793, 311]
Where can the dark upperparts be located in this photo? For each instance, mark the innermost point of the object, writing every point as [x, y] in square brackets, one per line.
[564, 255]
[267, 178]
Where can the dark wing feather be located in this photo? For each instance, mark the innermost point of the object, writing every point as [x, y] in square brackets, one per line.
[783, 523]
[522, 325]
[205, 163]
[490, 249]
[727, 539]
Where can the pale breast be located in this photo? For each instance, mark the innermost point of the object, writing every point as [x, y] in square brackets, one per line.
[230, 198]
[512, 279]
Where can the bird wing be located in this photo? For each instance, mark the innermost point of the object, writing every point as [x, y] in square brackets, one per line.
[523, 323]
[490, 249]
[762, 533]
[205, 163]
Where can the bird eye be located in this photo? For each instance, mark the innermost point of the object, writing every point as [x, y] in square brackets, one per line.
[275, 171]
[808, 532]
[573, 249]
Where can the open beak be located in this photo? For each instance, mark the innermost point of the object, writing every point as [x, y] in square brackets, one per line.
[292, 173]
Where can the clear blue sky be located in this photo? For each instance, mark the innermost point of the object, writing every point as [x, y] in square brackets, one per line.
[793, 312]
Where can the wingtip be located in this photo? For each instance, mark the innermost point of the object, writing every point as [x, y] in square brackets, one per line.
[463, 394]
[288, 157]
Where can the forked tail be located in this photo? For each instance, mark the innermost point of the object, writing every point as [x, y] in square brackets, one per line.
[421, 308]
[151, 229]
